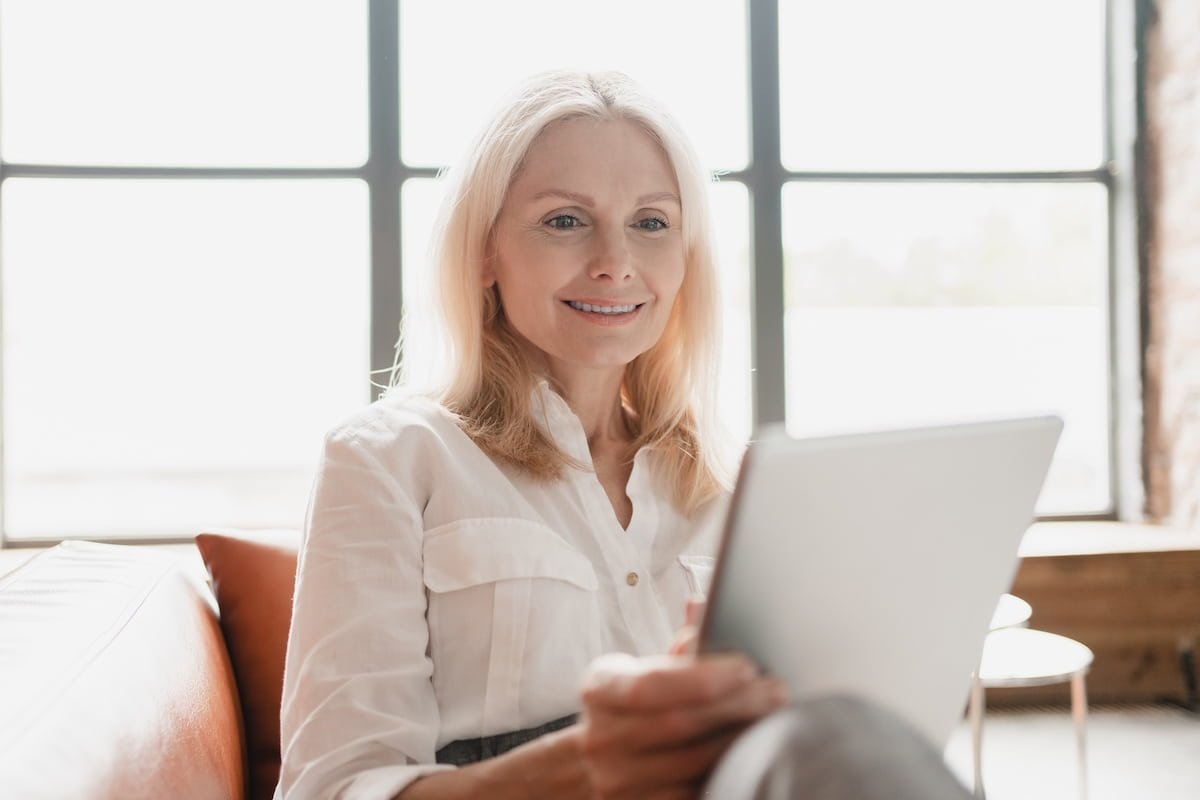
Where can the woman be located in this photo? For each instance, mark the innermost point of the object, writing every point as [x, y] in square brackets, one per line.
[472, 548]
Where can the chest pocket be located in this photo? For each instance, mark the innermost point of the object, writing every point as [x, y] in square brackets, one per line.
[537, 592]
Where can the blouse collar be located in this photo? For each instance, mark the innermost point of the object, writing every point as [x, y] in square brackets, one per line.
[556, 419]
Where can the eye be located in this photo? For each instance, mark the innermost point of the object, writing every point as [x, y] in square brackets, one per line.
[653, 224]
[564, 222]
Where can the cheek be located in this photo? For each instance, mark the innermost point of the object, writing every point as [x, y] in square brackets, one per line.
[672, 279]
[529, 264]
[524, 291]
[513, 268]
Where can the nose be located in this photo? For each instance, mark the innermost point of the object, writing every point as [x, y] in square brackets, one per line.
[610, 258]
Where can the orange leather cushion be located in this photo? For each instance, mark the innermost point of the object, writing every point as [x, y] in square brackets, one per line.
[114, 681]
[253, 576]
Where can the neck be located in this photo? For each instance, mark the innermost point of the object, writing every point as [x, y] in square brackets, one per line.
[595, 397]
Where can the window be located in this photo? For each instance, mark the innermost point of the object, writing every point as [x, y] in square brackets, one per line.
[184, 260]
[209, 217]
[945, 220]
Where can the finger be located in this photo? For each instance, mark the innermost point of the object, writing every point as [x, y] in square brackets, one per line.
[666, 728]
[694, 614]
[685, 641]
[662, 771]
[687, 791]
[660, 682]
[680, 791]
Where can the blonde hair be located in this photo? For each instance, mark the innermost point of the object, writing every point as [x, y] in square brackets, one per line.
[459, 348]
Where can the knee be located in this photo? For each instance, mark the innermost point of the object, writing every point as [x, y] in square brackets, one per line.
[832, 748]
[788, 748]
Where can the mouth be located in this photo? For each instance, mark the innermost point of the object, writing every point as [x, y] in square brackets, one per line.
[613, 310]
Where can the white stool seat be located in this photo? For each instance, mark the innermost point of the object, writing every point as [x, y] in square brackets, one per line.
[1011, 612]
[1025, 657]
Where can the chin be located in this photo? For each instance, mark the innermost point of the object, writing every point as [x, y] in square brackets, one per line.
[599, 359]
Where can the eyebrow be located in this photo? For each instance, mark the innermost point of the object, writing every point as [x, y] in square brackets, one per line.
[646, 199]
[586, 200]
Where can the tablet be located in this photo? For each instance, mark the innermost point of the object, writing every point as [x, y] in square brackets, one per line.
[871, 563]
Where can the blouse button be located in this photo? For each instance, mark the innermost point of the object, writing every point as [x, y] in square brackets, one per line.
[632, 579]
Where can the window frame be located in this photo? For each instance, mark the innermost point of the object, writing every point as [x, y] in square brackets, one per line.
[764, 177]
[767, 175]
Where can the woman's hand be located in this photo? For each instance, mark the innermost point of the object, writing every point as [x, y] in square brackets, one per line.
[687, 638]
[651, 728]
[655, 727]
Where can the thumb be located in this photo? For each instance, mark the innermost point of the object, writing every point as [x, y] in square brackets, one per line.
[685, 642]
[694, 614]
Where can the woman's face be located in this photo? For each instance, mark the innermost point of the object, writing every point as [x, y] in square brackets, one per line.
[587, 252]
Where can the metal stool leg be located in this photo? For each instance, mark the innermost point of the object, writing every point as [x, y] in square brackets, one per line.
[975, 711]
[1079, 712]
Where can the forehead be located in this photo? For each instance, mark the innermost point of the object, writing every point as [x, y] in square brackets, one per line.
[595, 156]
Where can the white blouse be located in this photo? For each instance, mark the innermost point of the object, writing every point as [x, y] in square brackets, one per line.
[442, 596]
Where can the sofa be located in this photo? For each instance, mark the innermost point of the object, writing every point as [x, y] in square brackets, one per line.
[124, 673]
[131, 672]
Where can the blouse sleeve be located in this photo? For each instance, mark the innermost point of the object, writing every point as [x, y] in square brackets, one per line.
[359, 718]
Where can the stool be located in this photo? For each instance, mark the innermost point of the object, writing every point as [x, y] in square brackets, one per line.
[1011, 612]
[1026, 657]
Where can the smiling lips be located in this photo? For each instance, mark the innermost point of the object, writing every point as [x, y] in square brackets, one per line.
[605, 312]
[602, 309]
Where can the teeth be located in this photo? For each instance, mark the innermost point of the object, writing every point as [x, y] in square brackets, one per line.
[601, 309]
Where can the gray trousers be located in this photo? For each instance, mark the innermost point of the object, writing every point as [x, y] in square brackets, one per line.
[835, 748]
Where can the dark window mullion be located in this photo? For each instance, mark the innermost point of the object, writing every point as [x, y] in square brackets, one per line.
[180, 173]
[1099, 175]
[765, 179]
[383, 175]
[3, 483]
[1127, 309]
